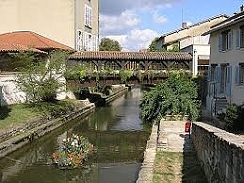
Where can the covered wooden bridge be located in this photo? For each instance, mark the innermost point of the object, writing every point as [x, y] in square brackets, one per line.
[133, 60]
[143, 64]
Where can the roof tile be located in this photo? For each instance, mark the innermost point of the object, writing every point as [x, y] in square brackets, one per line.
[32, 40]
[112, 55]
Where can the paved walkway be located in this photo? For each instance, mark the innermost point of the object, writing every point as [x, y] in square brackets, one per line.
[171, 137]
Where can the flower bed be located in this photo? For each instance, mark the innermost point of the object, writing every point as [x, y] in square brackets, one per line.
[73, 153]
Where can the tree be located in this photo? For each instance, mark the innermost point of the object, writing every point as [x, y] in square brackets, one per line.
[174, 48]
[38, 77]
[153, 45]
[107, 44]
[154, 48]
[177, 95]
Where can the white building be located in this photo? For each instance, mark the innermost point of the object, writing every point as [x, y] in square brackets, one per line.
[189, 39]
[226, 71]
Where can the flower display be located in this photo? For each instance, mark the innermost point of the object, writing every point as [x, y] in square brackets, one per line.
[73, 153]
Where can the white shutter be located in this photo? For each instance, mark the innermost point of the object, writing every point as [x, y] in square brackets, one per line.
[85, 14]
[90, 17]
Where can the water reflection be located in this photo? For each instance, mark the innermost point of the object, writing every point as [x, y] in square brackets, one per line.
[116, 132]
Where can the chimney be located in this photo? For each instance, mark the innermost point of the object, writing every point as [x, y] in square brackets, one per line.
[184, 25]
[242, 8]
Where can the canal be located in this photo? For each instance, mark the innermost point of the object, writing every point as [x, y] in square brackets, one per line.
[115, 130]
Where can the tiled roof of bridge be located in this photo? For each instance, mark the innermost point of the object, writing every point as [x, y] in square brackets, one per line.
[112, 55]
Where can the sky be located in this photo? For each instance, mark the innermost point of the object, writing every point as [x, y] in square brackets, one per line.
[135, 23]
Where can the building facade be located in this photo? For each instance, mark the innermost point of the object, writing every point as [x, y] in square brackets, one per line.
[190, 39]
[226, 70]
[199, 47]
[74, 23]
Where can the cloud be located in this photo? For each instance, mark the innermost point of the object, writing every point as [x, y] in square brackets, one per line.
[127, 21]
[113, 7]
[118, 24]
[136, 39]
[157, 18]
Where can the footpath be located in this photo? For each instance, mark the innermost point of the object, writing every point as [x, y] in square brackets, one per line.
[169, 138]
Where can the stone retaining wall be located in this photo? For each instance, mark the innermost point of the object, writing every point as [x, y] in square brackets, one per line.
[146, 172]
[221, 153]
[27, 135]
[14, 139]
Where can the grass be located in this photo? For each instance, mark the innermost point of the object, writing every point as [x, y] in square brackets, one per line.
[175, 167]
[15, 115]
[167, 167]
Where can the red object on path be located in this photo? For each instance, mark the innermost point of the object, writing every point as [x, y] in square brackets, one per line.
[188, 126]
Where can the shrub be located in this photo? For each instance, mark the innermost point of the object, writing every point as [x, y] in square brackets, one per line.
[39, 78]
[233, 118]
[125, 75]
[177, 95]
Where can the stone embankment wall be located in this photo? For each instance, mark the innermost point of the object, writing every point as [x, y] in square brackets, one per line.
[221, 153]
[15, 139]
[146, 172]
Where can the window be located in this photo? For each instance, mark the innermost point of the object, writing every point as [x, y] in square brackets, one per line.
[212, 72]
[241, 73]
[79, 39]
[88, 16]
[225, 40]
[86, 41]
[241, 34]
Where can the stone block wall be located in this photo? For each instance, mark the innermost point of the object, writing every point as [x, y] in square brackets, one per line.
[221, 153]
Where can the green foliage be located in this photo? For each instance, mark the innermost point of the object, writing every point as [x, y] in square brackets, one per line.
[107, 44]
[177, 95]
[234, 118]
[39, 76]
[14, 115]
[175, 48]
[125, 75]
[153, 46]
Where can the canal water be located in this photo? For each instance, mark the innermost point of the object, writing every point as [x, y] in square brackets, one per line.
[117, 133]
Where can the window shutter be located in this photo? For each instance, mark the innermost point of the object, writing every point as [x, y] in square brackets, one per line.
[85, 14]
[230, 40]
[217, 74]
[238, 37]
[209, 73]
[218, 78]
[237, 75]
[220, 42]
[228, 80]
[90, 17]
